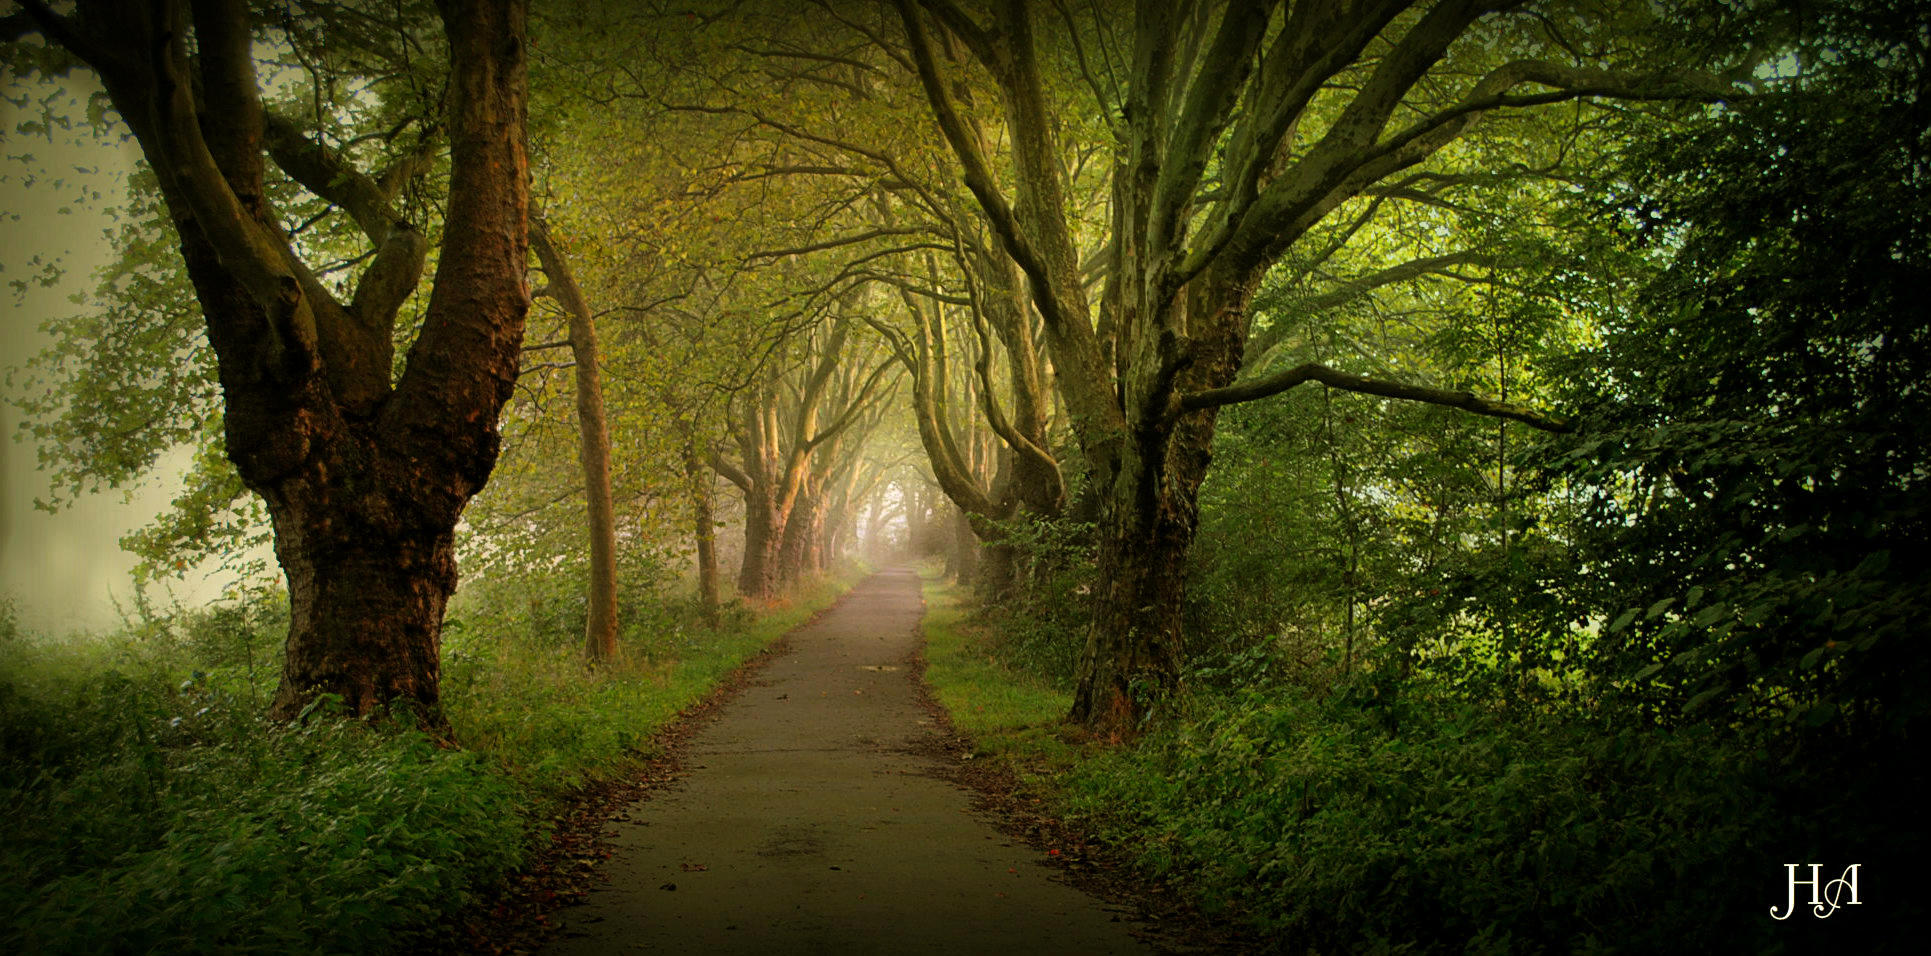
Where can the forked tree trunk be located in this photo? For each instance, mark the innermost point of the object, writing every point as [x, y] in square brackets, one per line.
[365, 521]
[1216, 180]
[364, 474]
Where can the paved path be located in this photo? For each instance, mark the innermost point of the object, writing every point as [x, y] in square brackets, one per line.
[806, 824]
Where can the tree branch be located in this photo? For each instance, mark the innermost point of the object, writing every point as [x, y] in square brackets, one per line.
[400, 250]
[864, 400]
[1346, 381]
[835, 243]
[978, 174]
[1198, 128]
[1360, 286]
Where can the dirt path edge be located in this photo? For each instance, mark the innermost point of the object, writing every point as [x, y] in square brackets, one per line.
[564, 864]
[1164, 918]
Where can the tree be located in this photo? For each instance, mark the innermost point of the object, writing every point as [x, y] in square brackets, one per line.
[780, 427]
[1238, 129]
[593, 445]
[364, 470]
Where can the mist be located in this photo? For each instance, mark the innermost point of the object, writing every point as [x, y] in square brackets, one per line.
[64, 570]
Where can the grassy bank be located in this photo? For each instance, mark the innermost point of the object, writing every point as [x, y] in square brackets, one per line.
[149, 806]
[1347, 822]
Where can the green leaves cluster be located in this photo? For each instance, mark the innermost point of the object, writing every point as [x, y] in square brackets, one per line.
[1752, 458]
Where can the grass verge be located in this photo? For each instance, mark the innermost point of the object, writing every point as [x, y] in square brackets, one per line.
[149, 806]
[1007, 713]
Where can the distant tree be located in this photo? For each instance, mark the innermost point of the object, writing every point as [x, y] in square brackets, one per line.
[786, 429]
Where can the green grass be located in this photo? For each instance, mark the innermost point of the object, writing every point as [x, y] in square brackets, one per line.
[149, 806]
[1006, 712]
[1344, 823]
[534, 708]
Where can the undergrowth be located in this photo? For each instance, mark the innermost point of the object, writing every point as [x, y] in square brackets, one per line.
[151, 808]
[1352, 820]
[1004, 710]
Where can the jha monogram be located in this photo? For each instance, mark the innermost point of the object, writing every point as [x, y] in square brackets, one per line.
[1825, 897]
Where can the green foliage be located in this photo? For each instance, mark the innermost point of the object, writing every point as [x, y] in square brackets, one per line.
[1755, 436]
[152, 808]
[1418, 822]
[154, 811]
[1467, 829]
[1042, 622]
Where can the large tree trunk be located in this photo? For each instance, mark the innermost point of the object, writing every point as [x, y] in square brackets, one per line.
[369, 576]
[758, 574]
[1135, 646]
[364, 475]
[799, 553]
[997, 577]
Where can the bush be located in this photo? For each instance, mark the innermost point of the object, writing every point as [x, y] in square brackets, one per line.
[1041, 626]
[1467, 829]
[149, 814]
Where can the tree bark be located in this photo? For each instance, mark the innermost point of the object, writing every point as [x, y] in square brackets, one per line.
[794, 550]
[704, 532]
[364, 477]
[366, 601]
[758, 574]
[593, 447]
